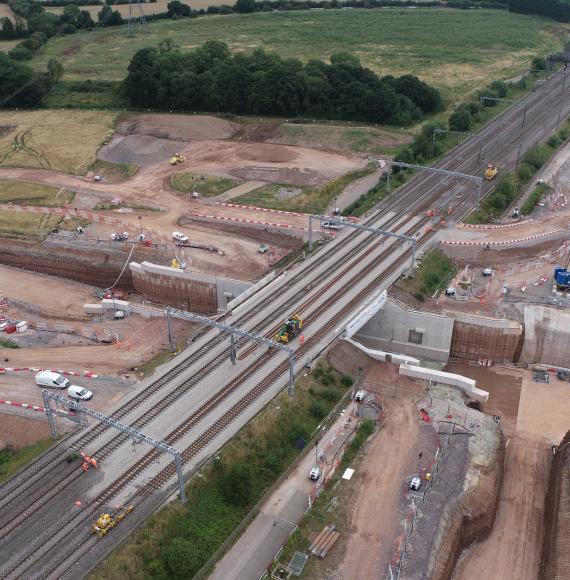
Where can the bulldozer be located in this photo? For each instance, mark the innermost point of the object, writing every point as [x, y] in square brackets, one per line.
[491, 172]
[177, 158]
[107, 522]
[290, 329]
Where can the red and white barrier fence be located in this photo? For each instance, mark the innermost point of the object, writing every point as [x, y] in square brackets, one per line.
[503, 242]
[29, 406]
[495, 226]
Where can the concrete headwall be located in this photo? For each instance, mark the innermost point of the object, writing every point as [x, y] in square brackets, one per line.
[185, 290]
[395, 328]
[547, 336]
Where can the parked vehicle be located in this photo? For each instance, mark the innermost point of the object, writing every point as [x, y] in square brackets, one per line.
[77, 392]
[51, 380]
[415, 483]
[315, 473]
[487, 271]
[331, 225]
[263, 248]
[180, 237]
[359, 395]
[450, 291]
[119, 236]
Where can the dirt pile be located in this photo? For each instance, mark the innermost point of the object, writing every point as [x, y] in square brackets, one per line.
[556, 546]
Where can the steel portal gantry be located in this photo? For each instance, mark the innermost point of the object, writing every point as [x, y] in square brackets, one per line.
[76, 406]
[233, 331]
[377, 231]
[475, 178]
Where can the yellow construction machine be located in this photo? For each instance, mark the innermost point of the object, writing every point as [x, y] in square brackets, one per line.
[177, 158]
[290, 329]
[491, 172]
[107, 522]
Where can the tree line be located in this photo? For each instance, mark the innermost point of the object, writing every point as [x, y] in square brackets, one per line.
[211, 78]
[556, 9]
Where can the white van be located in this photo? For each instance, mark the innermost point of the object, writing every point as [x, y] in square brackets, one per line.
[359, 396]
[77, 392]
[53, 380]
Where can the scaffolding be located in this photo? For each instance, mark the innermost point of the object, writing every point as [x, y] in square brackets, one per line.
[135, 434]
[376, 231]
[233, 332]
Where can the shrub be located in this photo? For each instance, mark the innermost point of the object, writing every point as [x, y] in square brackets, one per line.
[318, 409]
[538, 63]
[346, 381]
[500, 88]
[460, 119]
[537, 156]
[554, 141]
[525, 172]
[182, 558]
[236, 485]
[20, 53]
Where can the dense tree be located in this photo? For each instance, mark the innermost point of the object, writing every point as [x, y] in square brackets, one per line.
[460, 119]
[557, 9]
[109, 17]
[8, 30]
[245, 6]
[76, 17]
[177, 8]
[211, 78]
[45, 22]
[54, 70]
[19, 85]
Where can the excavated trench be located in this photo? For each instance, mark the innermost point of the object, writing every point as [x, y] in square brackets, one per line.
[97, 265]
[555, 560]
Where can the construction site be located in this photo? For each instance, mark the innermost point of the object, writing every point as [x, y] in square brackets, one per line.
[180, 310]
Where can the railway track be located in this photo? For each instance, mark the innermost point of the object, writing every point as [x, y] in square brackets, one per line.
[265, 358]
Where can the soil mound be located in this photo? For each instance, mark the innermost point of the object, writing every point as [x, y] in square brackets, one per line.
[139, 150]
[177, 127]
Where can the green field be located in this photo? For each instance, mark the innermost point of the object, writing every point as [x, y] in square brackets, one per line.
[12, 461]
[27, 224]
[457, 50]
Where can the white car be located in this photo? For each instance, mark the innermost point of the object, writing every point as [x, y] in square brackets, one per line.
[180, 237]
[315, 473]
[359, 396]
[415, 483]
[77, 392]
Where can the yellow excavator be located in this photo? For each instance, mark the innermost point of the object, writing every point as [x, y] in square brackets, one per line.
[491, 172]
[107, 522]
[177, 158]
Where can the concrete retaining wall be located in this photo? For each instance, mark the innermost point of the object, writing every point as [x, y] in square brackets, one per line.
[547, 336]
[185, 290]
[465, 384]
[389, 330]
[384, 356]
[251, 290]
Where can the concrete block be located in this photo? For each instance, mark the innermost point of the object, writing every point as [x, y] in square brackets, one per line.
[93, 309]
[465, 384]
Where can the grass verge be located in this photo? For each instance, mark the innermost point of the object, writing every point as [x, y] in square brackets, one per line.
[434, 271]
[179, 539]
[146, 369]
[308, 199]
[208, 186]
[7, 343]
[538, 192]
[11, 461]
[30, 193]
[113, 171]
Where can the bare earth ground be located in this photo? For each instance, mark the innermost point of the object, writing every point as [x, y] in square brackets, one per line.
[391, 456]
[21, 431]
[513, 548]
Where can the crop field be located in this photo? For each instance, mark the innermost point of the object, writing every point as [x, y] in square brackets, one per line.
[148, 7]
[30, 193]
[58, 140]
[453, 49]
[27, 224]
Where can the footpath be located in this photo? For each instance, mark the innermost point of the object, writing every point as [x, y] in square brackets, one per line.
[280, 514]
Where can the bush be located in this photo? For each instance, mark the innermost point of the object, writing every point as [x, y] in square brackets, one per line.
[460, 119]
[554, 141]
[182, 558]
[525, 172]
[20, 53]
[534, 198]
[539, 63]
[500, 88]
[237, 485]
[564, 133]
[318, 409]
[537, 156]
